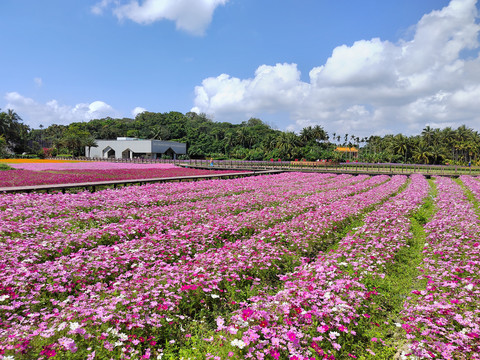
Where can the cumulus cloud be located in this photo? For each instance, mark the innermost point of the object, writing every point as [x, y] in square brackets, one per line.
[371, 86]
[52, 112]
[138, 110]
[192, 16]
[225, 93]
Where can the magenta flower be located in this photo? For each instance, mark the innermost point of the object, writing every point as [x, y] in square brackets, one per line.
[291, 336]
[246, 313]
[275, 354]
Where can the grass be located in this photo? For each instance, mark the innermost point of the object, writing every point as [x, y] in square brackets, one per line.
[470, 196]
[4, 167]
[401, 278]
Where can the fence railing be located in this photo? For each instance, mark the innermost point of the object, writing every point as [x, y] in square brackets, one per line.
[318, 166]
[448, 170]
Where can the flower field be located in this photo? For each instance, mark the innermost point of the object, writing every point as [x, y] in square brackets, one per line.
[290, 266]
[40, 172]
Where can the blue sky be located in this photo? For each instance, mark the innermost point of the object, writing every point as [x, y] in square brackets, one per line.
[363, 66]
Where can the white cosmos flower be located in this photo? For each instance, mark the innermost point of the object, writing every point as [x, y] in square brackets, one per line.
[74, 326]
[238, 343]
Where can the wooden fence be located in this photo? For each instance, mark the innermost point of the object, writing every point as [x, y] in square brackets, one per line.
[317, 166]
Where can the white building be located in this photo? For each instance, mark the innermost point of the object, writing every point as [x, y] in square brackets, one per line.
[130, 148]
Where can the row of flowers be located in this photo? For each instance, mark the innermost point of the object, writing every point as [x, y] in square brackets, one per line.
[15, 178]
[442, 320]
[97, 289]
[37, 230]
[38, 161]
[43, 165]
[324, 306]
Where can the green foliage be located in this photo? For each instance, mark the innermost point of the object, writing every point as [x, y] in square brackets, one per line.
[13, 133]
[251, 140]
[3, 146]
[4, 167]
[432, 146]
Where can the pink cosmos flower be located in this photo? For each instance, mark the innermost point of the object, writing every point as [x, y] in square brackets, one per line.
[246, 313]
[291, 335]
[322, 329]
[275, 354]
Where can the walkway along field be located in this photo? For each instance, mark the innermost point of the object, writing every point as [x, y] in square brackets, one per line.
[62, 175]
[312, 166]
[337, 168]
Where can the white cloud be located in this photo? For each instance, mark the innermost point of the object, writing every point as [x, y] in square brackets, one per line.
[372, 86]
[364, 63]
[273, 88]
[52, 112]
[192, 16]
[38, 81]
[138, 110]
[98, 8]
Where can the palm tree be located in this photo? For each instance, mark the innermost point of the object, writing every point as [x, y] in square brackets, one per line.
[476, 145]
[437, 151]
[427, 134]
[12, 116]
[319, 133]
[463, 135]
[287, 142]
[422, 152]
[306, 135]
[3, 123]
[400, 146]
[313, 134]
[447, 138]
[242, 136]
[229, 141]
[250, 138]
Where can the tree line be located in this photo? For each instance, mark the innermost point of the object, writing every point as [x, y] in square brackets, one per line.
[251, 140]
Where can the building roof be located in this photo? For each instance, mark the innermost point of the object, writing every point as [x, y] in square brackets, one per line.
[346, 149]
[140, 146]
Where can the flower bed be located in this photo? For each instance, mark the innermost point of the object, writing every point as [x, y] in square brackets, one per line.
[49, 172]
[85, 165]
[323, 307]
[52, 280]
[265, 268]
[443, 319]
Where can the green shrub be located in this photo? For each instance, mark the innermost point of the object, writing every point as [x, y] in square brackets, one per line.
[5, 167]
